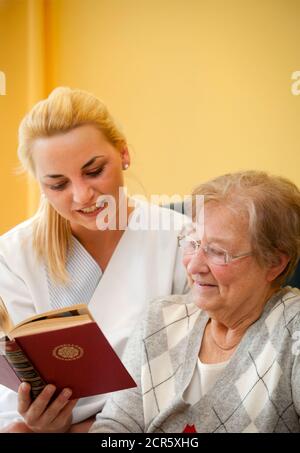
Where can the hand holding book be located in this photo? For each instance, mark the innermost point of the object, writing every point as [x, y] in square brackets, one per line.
[45, 414]
[64, 347]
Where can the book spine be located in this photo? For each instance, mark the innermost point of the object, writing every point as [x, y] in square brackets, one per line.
[23, 367]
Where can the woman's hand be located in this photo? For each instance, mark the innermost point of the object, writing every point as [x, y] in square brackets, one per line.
[42, 417]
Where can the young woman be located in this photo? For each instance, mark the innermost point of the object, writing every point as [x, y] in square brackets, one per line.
[65, 255]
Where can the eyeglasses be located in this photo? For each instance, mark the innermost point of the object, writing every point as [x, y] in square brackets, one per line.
[214, 254]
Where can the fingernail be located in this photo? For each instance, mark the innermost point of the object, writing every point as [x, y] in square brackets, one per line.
[24, 386]
[67, 393]
[50, 388]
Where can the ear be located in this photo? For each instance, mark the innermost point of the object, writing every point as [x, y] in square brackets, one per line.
[276, 269]
[125, 156]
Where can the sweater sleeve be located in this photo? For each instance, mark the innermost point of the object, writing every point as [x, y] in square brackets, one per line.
[296, 367]
[123, 411]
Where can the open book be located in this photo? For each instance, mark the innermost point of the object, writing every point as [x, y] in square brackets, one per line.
[64, 347]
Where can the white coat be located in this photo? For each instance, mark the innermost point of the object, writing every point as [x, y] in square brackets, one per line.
[145, 265]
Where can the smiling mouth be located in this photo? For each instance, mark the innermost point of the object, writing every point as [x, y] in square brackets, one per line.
[96, 207]
[204, 285]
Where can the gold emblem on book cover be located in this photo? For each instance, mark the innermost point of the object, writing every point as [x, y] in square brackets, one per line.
[67, 352]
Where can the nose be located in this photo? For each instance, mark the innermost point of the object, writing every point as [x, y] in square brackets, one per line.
[197, 263]
[82, 192]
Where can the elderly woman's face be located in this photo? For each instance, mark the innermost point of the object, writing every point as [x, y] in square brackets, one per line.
[230, 286]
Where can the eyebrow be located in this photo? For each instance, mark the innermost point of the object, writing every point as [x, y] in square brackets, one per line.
[87, 164]
[222, 241]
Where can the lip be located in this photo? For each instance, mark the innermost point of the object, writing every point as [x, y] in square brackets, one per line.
[204, 286]
[198, 282]
[91, 214]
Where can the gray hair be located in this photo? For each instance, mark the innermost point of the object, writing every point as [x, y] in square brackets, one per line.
[272, 206]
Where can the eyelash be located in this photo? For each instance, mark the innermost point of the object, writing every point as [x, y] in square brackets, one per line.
[92, 174]
[95, 172]
[58, 186]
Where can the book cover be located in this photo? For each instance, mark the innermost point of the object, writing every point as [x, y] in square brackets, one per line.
[64, 347]
[16, 368]
[78, 357]
[8, 376]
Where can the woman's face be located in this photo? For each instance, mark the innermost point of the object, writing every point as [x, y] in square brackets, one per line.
[237, 286]
[75, 168]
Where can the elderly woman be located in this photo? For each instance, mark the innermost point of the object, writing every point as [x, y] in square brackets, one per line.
[223, 358]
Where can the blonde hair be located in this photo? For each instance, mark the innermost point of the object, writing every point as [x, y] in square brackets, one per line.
[64, 110]
[272, 206]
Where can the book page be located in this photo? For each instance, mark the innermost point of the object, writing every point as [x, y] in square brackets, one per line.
[71, 311]
[49, 324]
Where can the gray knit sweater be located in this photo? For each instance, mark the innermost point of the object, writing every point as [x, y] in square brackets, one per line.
[258, 391]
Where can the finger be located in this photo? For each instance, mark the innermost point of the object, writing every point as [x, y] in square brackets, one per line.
[39, 405]
[24, 399]
[57, 405]
[63, 420]
[66, 412]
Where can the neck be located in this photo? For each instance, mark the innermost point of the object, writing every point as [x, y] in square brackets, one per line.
[244, 314]
[86, 236]
[226, 332]
[224, 340]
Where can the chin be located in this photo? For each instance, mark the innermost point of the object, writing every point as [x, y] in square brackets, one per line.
[203, 303]
[91, 226]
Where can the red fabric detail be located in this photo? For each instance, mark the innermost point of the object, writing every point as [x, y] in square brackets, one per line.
[189, 429]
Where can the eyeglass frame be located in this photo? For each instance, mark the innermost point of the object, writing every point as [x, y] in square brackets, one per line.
[228, 258]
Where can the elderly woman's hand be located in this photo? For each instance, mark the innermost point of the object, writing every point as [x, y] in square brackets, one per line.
[43, 416]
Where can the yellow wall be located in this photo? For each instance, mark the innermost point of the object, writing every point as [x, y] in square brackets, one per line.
[21, 60]
[201, 87]
[13, 198]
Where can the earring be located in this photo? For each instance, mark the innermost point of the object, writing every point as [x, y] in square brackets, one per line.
[125, 166]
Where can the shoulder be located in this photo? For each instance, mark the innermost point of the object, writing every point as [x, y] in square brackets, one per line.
[170, 310]
[12, 240]
[291, 302]
[19, 230]
[283, 310]
[290, 299]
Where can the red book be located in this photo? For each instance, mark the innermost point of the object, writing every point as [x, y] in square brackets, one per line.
[63, 347]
